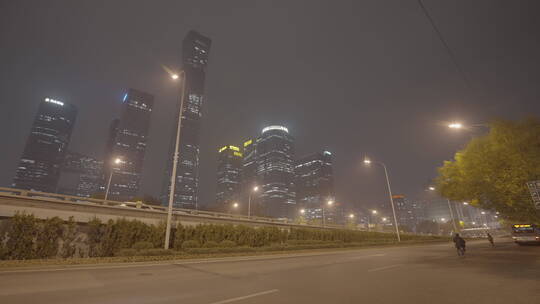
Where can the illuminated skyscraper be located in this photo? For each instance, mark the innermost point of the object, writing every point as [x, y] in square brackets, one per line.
[195, 51]
[81, 175]
[228, 175]
[46, 146]
[275, 171]
[315, 185]
[127, 141]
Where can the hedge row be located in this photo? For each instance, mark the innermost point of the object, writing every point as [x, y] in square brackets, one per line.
[25, 237]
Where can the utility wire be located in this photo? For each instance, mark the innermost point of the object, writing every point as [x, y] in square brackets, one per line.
[446, 46]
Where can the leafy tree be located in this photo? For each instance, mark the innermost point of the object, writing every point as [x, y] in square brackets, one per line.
[492, 170]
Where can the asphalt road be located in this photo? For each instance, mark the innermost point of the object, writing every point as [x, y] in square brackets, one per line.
[416, 274]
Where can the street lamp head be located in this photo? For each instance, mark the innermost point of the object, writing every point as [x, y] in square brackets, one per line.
[465, 203]
[351, 215]
[330, 202]
[443, 219]
[431, 188]
[455, 125]
[175, 76]
[117, 161]
[302, 211]
[374, 211]
[367, 161]
[255, 189]
[235, 205]
[483, 212]
[384, 219]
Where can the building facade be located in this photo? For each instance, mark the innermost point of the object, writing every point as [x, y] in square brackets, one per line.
[46, 146]
[275, 172]
[81, 175]
[229, 172]
[127, 141]
[195, 51]
[405, 213]
[315, 186]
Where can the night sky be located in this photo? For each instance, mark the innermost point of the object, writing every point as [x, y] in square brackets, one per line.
[353, 77]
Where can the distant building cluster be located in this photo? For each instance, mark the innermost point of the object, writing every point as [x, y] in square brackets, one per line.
[47, 166]
[265, 175]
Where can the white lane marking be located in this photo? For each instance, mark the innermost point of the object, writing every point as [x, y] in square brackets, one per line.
[246, 297]
[367, 256]
[168, 263]
[383, 268]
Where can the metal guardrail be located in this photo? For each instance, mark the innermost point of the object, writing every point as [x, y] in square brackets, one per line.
[21, 193]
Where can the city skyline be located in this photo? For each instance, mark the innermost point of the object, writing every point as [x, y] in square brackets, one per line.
[371, 112]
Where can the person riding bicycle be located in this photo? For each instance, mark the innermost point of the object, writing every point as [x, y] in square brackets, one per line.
[460, 244]
[490, 239]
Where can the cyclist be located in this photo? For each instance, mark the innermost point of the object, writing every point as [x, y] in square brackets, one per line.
[460, 244]
[490, 239]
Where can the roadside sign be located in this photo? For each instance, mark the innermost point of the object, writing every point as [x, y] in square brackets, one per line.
[534, 189]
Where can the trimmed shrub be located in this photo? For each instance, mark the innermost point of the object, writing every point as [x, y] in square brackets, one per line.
[142, 245]
[156, 252]
[50, 231]
[211, 244]
[126, 252]
[21, 235]
[191, 244]
[227, 244]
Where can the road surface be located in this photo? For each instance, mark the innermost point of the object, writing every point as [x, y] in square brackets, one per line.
[415, 274]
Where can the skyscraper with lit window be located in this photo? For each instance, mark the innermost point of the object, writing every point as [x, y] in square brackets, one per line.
[46, 146]
[127, 141]
[275, 171]
[228, 176]
[81, 175]
[195, 50]
[315, 185]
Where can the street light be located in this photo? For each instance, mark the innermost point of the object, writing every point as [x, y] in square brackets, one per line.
[329, 203]
[455, 125]
[432, 188]
[255, 189]
[351, 216]
[373, 211]
[235, 205]
[465, 203]
[116, 161]
[302, 211]
[175, 76]
[367, 161]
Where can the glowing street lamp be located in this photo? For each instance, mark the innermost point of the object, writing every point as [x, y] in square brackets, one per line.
[302, 211]
[455, 125]
[175, 77]
[255, 189]
[235, 205]
[329, 203]
[351, 216]
[367, 161]
[373, 211]
[432, 188]
[117, 161]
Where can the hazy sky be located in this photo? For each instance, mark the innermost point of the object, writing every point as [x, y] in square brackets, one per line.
[353, 77]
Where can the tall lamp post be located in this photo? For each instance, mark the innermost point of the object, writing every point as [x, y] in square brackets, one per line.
[329, 203]
[175, 157]
[255, 189]
[374, 212]
[367, 161]
[117, 161]
[431, 188]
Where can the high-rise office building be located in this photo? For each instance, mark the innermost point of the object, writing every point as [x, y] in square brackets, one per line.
[315, 185]
[127, 141]
[275, 171]
[195, 50]
[46, 146]
[81, 175]
[249, 169]
[228, 176]
[405, 212]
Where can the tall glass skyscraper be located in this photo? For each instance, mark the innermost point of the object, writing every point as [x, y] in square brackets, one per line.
[81, 175]
[228, 176]
[195, 50]
[275, 171]
[315, 185]
[46, 146]
[127, 141]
